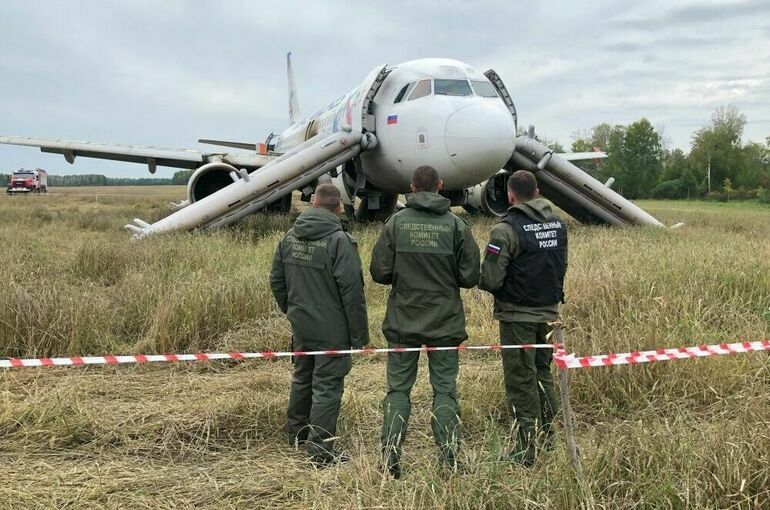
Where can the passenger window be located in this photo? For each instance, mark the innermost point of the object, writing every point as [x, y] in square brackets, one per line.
[422, 89]
[453, 88]
[484, 89]
[402, 93]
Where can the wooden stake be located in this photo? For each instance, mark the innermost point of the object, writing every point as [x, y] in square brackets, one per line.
[569, 423]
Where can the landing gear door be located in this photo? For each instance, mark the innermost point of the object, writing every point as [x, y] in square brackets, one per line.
[498, 84]
[358, 110]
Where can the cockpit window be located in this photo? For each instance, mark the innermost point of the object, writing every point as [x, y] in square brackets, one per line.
[484, 89]
[452, 88]
[401, 93]
[422, 89]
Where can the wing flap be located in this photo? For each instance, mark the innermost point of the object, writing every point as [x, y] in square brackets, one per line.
[226, 143]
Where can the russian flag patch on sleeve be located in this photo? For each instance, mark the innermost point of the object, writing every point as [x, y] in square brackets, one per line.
[493, 249]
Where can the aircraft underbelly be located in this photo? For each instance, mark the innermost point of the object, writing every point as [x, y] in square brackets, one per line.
[385, 174]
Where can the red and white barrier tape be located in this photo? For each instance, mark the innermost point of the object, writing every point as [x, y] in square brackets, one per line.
[211, 356]
[562, 360]
[632, 358]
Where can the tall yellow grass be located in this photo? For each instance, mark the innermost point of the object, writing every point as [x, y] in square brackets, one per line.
[687, 434]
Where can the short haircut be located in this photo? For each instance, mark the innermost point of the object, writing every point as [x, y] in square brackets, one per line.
[523, 183]
[425, 178]
[328, 196]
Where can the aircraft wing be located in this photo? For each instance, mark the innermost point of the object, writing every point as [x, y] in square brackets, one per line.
[150, 156]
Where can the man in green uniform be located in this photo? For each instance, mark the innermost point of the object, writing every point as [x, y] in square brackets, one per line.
[426, 254]
[316, 279]
[524, 268]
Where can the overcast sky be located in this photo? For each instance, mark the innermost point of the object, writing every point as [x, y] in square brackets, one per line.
[168, 72]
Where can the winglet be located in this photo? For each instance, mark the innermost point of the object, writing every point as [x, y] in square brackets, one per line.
[294, 115]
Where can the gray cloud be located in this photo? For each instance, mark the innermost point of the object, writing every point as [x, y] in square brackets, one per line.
[167, 73]
[695, 13]
[678, 41]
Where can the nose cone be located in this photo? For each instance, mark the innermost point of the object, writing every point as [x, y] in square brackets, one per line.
[480, 139]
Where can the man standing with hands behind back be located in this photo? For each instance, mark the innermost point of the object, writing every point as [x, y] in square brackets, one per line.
[317, 281]
[426, 254]
[524, 268]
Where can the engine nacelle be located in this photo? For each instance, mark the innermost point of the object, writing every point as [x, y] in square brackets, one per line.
[212, 177]
[489, 197]
[209, 179]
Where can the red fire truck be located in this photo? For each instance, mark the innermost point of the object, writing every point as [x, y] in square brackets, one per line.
[28, 181]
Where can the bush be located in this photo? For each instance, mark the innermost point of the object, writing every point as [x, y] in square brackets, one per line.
[718, 196]
[669, 189]
[749, 194]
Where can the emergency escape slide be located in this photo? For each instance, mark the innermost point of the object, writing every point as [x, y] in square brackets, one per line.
[252, 191]
[573, 190]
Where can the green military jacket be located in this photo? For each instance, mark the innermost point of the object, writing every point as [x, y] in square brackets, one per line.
[426, 254]
[317, 281]
[495, 265]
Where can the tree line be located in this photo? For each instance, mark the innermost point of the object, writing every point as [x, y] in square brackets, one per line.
[719, 166]
[180, 177]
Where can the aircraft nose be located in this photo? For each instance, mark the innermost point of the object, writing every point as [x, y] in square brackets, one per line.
[480, 138]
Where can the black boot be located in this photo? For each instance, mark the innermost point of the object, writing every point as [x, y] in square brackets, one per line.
[331, 458]
[392, 461]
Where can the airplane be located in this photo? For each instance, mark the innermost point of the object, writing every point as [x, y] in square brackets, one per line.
[432, 111]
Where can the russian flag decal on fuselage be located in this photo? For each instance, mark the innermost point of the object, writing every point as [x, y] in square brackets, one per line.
[392, 119]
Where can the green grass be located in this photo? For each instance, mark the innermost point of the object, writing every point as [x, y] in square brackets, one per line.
[685, 434]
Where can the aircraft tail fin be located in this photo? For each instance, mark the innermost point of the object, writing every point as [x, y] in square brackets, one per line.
[294, 115]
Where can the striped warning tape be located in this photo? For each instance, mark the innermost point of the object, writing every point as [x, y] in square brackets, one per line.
[561, 358]
[631, 358]
[212, 356]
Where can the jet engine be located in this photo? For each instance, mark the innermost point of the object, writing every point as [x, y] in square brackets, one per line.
[208, 179]
[489, 197]
[212, 177]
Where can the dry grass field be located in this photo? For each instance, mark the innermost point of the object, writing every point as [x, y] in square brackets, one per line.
[684, 434]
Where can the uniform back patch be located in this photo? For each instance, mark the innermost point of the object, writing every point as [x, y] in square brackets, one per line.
[421, 235]
[306, 253]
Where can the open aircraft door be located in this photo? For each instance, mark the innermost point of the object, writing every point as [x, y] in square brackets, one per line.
[359, 116]
[498, 84]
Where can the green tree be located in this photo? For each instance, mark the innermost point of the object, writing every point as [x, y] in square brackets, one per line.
[101, 180]
[643, 159]
[716, 149]
[675, 165]
[677, 178]
[634, 156]
[181, 176]
[601, 135]
[755, 170]
[608, 139]
[614, 165]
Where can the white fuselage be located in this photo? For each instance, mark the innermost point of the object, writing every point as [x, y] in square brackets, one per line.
[436, 112]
